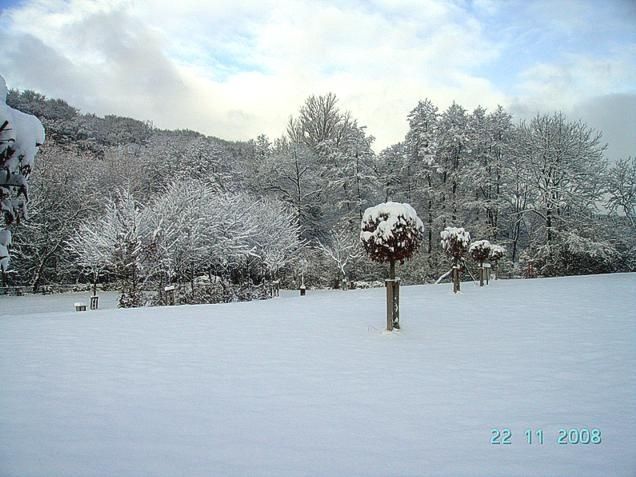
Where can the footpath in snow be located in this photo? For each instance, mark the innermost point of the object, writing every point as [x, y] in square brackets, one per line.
[312, 386]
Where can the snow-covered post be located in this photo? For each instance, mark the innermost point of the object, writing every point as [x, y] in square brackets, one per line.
[480, 251]
[21, 135]
[455, 243]
[303, 268]
[497, 252]
[391, 232]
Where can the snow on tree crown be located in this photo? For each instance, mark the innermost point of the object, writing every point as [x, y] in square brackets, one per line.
[455, 241]
[497, 252]
[391, 231]
[480, 250]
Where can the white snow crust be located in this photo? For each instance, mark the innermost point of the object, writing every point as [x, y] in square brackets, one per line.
[395, 213]
[312, 386]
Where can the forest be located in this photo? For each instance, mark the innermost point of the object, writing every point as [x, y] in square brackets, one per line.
[119, 202]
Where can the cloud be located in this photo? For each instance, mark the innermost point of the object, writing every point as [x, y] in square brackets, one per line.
[615, 116]
[235, 69]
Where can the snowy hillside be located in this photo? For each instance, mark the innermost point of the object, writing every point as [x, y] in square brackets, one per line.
[312, 385]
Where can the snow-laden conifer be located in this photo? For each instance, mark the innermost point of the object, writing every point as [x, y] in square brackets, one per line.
[21, 135]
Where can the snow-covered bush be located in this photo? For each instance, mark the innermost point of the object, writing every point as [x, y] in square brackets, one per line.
[455, 243]
[391, 232]
[20, 137]
[480, 251]
[572, 254]
[497, 252]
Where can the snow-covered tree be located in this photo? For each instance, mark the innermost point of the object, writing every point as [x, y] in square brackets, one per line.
[291, 175]
[21, 135]
[497, 252]
[566, 168]
[455, 243]
[343, 248]
[480, 251]
[453, 148]
[93, 247]
[621, 188]
[421, 141]
[489, 137]
[63, 194]
[391, 232]
[276, 238]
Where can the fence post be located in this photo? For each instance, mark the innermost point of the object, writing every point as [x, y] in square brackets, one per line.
[396, 303]
[389, 304]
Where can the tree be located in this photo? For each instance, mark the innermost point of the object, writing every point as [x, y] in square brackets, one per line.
[621, 187]
[497, 252]
[480, 251]
[455, 242]
[291, 175]
[63, 194]
[422, 143]
[93, 247]
[452, 153]
[276, 238]
[391, 232]
[566, 167]
[21, 135]
[343, 248]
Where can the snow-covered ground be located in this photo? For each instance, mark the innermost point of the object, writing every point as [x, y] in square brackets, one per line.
[30, 304]
[312, 385]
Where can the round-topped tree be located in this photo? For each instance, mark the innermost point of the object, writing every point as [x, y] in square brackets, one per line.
[497, 252]
[480, 252]
[391, 232]
[455, 242]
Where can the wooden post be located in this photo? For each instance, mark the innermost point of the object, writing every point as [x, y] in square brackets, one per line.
[456, 281]
[389, 305]
[392, 303]
[396, 303]
[481, 274]
[487, 273]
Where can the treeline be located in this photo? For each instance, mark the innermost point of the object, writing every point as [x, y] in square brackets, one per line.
[542, 188]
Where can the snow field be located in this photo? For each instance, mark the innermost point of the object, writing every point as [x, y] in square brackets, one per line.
[313, 386]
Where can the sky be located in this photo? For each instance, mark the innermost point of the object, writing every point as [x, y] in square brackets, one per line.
[235, 69]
